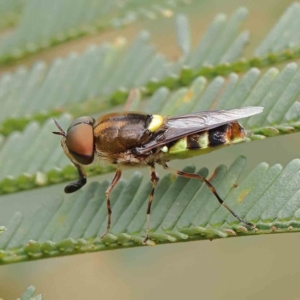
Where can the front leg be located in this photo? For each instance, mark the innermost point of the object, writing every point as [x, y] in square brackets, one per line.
[75, 186]
[81, 181]
[107, 193]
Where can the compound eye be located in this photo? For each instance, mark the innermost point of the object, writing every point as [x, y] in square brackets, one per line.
[80, 140]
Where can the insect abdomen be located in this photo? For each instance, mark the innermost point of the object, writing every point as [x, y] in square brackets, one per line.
[226, 134]
[206, 140]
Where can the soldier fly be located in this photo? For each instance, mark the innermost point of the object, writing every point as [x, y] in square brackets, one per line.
[132, 139]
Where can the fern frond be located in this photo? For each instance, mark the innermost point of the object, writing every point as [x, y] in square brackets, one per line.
[10, 12]
[183, 210]
[40, 93]
[89, 76]
[73, 19]
[222, 42]
[276, 91]
[29, 294]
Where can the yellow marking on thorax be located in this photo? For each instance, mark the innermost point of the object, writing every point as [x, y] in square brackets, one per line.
[156, 122]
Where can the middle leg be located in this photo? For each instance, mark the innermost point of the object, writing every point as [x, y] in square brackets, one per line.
[154, 180]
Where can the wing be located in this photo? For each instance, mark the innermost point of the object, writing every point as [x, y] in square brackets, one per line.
[178, 127]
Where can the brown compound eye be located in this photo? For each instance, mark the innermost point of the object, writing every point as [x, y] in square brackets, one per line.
[80, 140]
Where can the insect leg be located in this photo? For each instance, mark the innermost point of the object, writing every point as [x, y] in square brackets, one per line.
[75, 186]
[81, 181]
[154, 180]
[211, 187]
[107, 193]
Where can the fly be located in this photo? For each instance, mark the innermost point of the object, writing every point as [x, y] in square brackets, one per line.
[134, 139]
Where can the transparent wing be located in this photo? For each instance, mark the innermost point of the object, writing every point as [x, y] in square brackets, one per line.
[178, 127]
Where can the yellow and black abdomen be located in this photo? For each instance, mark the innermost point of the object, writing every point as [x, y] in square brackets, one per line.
[205, 141]
[222, 135]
